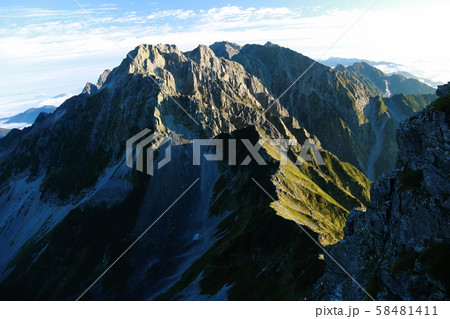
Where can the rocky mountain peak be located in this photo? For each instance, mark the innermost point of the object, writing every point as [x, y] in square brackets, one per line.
[91, 88]
[202, 55]
[340, 67]
[102, 78]
[270, 44]
[226, 49]
[367, 69]
[148, 58]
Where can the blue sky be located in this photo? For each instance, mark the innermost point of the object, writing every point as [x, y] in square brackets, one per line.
[52, 47]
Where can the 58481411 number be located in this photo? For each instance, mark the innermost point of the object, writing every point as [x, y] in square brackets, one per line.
[406, 310]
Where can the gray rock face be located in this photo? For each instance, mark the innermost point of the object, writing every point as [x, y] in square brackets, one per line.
[399, 248]
[91, 88]
[226, 49]
[443, 89]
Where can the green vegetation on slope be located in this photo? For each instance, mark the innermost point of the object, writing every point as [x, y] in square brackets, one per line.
[318, 197]
[442, 104]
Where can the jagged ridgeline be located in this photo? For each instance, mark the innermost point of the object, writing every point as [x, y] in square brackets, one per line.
[70, 205]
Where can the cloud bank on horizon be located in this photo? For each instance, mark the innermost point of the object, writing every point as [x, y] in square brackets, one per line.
[52, 51]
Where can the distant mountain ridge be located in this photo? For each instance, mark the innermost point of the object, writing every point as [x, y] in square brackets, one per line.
[382, 84]
[30, 115]
[389, 68]
[333, 61]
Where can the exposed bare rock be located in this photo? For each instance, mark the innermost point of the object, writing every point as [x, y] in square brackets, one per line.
[399, 249]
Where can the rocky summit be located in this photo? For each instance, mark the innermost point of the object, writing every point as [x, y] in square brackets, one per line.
[70, 205]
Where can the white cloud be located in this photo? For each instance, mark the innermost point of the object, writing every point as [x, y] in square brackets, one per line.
[55, 101]
[22, 12]
[412, 36]
[10, 126]
[179, 14]
[405, 35]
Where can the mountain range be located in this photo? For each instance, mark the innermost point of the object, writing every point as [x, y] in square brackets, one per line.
[383, 84]
[390, 68]
[29, 115]
[70, 205]
[24, 119]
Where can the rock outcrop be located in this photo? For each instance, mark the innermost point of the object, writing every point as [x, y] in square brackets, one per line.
[91, 88]
[443, 89]
[399, 248]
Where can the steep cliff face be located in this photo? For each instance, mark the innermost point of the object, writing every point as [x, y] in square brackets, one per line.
[399, 249]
